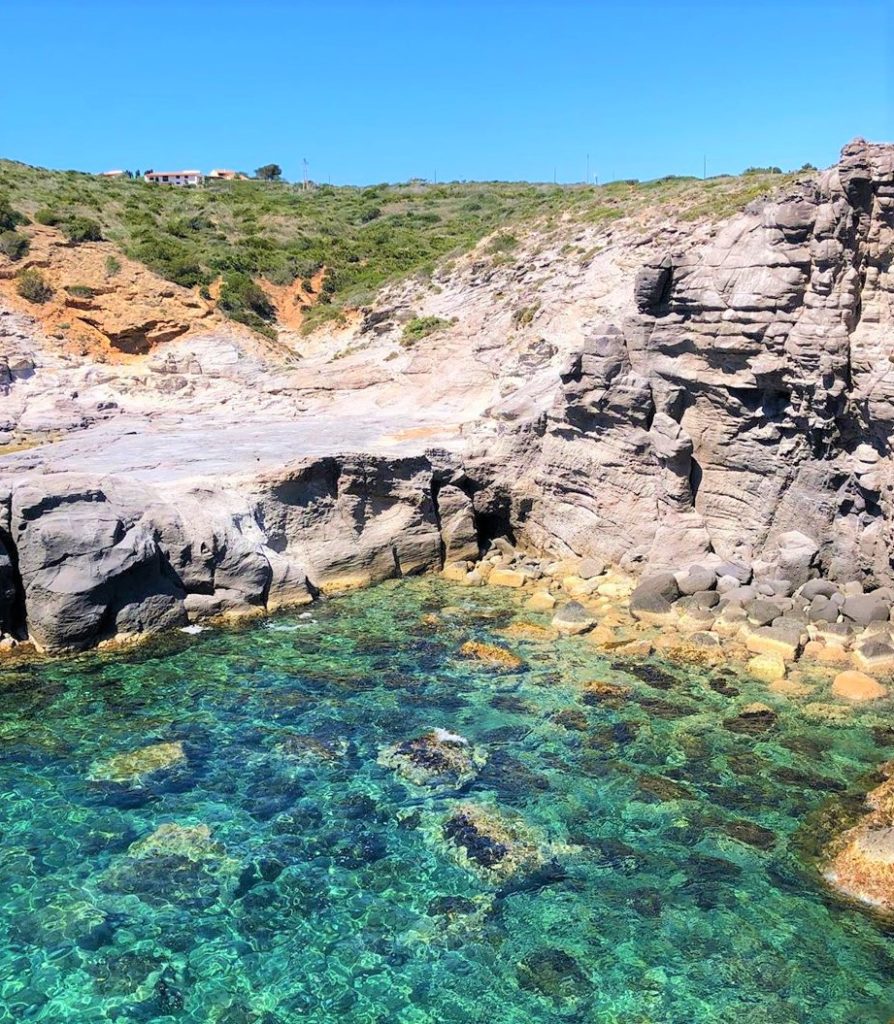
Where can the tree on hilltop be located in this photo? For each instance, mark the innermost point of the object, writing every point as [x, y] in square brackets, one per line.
[269, 172]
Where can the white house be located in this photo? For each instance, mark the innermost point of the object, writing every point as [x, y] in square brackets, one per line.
[113, 174]
[175, 177]
[224, 175]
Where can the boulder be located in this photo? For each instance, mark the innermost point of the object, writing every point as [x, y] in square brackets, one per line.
[864, 867]
[133, 765]
[456, 572]
[540, 601]
[572, 619]
[766, 667]
[696, 578]
[491, 654]
[507, 578]
[781, 640]
[761, 612]
[456, 517]
[589, 568]
[866, 608]
[652, 599]
[874, 656]
[857, 686]
[821, 609]
[817, 588]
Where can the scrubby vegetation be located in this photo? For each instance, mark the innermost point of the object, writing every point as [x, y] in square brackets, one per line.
[13, 245]
[239, 231]
[243, 300]
[82, 229]
[421, 327]
[30, 284]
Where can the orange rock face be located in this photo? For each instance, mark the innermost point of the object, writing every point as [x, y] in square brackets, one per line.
[98, 309]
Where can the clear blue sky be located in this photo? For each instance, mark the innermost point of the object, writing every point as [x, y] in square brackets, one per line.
[385, 91]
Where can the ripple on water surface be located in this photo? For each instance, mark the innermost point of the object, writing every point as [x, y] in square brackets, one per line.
[262, 826]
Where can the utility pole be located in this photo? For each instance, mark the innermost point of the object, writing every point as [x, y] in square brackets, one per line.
[304, 162]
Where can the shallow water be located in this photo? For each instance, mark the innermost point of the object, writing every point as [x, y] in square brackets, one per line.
[324, 888]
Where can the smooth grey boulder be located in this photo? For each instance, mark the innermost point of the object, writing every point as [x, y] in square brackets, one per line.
[572, 618]
[459, 534]
[741, 595]
[817, 588]
[762, 612]
[739, 572]
[866, 608]
[821, 609]
[696, 578]
[654, 595]
[90, 569]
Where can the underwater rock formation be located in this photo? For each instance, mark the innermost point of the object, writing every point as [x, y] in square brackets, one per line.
[861, 861]
[438, 759]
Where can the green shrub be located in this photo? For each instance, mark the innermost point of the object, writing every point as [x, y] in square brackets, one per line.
[81, 291]
[10, 218]
[49, 217]
[762, 170]
[30, 284]
[421, 327]
[82, 229]
[13, 245]
[113, 266]
[504, 242]
[172, 260]
[243, 300]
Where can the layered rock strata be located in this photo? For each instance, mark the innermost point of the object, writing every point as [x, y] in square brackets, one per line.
[741, 405]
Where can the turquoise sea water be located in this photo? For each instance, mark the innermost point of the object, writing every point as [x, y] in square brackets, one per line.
[303, 880]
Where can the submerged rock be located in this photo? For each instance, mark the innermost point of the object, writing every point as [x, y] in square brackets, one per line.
[438, 759]
[752, 720]
[554, 974]
[600, 692]
[492, 845]
[298, 747]
[491, 654]
[174, 864]
[134, 764]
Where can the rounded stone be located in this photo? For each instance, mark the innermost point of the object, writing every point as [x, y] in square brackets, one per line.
[857, 686]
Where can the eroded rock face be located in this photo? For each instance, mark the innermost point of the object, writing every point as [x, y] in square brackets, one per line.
[113, 558]
[743, 407]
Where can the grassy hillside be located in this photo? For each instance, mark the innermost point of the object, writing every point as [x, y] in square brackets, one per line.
[246, 231]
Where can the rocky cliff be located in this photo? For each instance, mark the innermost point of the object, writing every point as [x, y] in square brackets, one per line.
[740, 404]
[653, 391]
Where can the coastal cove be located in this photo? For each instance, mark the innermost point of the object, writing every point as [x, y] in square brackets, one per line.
[417, 802]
